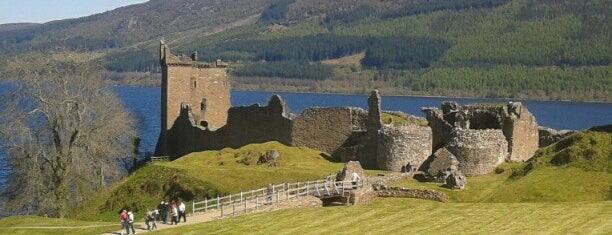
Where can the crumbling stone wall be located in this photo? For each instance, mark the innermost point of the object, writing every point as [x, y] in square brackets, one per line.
[402, 147]
[369, 143]
[521, 131]
[518, 126]
[328, 129]
[259, 124]
[425, 194]
[440, 128]
[245, 125]
[548, 136]
[478, 151]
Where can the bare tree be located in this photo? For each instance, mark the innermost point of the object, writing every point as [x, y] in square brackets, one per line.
[65, 132]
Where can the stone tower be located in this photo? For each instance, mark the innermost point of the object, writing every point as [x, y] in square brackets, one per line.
[202, 88]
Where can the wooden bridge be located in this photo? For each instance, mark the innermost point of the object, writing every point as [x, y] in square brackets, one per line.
[244, 202]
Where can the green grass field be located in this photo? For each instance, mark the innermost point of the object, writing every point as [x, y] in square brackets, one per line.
[402, 216]
[41, 225]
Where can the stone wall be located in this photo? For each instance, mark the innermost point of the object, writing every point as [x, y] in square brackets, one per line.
[478, 151]
[440, 128]
[328, 129]
[245, 125]
[258, 124]
[402, 148]
[413, 193]
[369, 143]
[521, 131]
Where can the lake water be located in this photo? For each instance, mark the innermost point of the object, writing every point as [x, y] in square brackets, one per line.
[144, 103]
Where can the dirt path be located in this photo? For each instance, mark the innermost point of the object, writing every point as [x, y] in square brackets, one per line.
[309, 201]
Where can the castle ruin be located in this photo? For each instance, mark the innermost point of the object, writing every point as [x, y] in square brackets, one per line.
[196, 116]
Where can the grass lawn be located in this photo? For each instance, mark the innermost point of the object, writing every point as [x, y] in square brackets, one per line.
[232, 170]
[41, 225]
[402, 216]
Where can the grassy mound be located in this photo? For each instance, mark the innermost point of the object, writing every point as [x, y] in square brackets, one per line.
[588, 150]
[577, 168]
[206, 174]
[232, 170]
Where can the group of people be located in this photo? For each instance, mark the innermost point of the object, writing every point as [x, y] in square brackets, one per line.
[176, 211]
[152, 216]
[127, 221]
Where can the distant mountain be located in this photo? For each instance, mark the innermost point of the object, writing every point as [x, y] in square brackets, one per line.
[536, 49]
[16, 26]
[135, 24]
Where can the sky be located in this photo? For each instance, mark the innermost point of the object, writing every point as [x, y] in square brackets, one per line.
[41, 11]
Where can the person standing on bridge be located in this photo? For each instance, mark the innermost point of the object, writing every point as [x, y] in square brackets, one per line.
[355, 179]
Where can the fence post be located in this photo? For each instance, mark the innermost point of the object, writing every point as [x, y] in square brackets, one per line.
[221, 208]
[256, 202]
[240, 195]
[218, 203]
[252, 191]
[193, 207]
[245, 206]
[230, 198]
[277, 198]
[205, 204]
[307, 183]
[233, 208]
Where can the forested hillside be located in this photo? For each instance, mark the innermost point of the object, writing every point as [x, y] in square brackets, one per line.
[538, 49]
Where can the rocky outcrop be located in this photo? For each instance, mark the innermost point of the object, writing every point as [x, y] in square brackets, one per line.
[442, 163]
[455, 180]
[270, 157]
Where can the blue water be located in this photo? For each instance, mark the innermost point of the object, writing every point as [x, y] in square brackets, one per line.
[144, 103]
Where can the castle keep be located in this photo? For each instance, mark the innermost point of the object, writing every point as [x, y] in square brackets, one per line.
[473, 139]
[202, 87]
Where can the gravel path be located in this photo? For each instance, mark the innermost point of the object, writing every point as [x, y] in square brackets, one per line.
[306, 201]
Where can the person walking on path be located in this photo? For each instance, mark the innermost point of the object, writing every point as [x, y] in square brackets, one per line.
[124, 222]
[131, 222]
[181, 210]
[160, 210]
[150, 220]
[174, 215]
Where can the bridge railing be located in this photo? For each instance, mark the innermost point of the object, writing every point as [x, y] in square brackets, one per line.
[274, 194]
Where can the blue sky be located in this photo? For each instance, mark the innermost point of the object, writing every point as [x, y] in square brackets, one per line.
[40, 11]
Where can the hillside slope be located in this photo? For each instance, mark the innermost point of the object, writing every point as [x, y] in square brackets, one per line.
[206, 174]
[521, 49]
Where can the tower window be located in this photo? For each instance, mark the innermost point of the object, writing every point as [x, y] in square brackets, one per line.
[203, 105]
[194, 82]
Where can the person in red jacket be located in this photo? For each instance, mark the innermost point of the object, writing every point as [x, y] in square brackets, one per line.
[124, 222]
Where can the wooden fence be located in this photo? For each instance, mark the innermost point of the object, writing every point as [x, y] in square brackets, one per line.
[274, 194]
